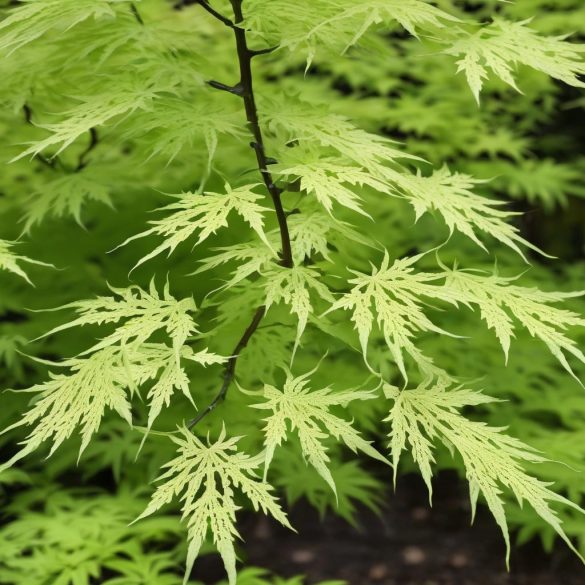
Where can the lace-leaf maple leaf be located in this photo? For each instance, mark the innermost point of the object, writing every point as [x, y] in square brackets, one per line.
[311, 125]
[293, 287]
[204, 213]
[170, 375]
[451, 195]
[77, 399]
[64, 196]
[502, 45]
[336, 24]
[410, 14]
[391, 297]
[114, 368]
[311, 233]
[144, 313]
[307, 411]
[251, 258]
[96, 110]
[501, 302]
[492, 459]
[178, 124]
[32, 19]
[205, 478]
[331, 180]
[11, 261]
[315, 232]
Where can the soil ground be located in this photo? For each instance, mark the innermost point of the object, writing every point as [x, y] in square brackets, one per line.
[410, 544]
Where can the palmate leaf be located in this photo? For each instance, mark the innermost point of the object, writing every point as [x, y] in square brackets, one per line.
[251, 258]
[499, 47]
[34, 18]
[11, 261]
[501, 302]
[177, 124]
[204, 213]
[65, 196]
[336, 24]
[314, 232]
[391, 297]
[77, 399]
[370, 161]
[311, 233]
[492, 459]
[143, 312]
[293, 287]
[543, 182]
[73, 536]
[205, 478]
[451, 195]
[410, 14]
[111, 371]
[126, 97]
[332, 181]
[307, 411]
[395, 298]
[311, 125]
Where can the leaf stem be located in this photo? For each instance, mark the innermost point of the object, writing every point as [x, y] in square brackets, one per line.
[245, 89]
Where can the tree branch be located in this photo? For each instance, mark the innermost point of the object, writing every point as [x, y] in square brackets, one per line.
[245, 56]
[93, 142]
[230, 370]
[48, 162]
[205, 5]
[245, 89]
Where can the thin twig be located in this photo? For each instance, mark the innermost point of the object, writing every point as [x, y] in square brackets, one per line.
[48, 162]
[245, 89]
[205, 5]
[230, 370]
[93, 142]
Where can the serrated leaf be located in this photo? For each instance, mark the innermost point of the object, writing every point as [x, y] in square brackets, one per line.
[492, 459]
[307, 411]
[11, 261]
[204, 213]
[205, 477]
[499, 47]
[293, 287]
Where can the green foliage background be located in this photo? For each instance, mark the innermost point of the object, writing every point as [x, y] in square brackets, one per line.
[65, 521]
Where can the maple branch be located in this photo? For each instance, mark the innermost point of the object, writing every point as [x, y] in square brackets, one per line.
[93, 142]
[230, 370]
[48, 162]
[205, 5]
[245, 89]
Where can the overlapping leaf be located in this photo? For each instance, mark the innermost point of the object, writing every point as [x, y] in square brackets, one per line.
[205, 478]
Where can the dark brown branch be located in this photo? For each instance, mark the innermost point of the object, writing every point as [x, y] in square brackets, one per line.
[245, 56]
[245, 89]
[93, 142]
[230, 370]
[205, 5]
[48, 162]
